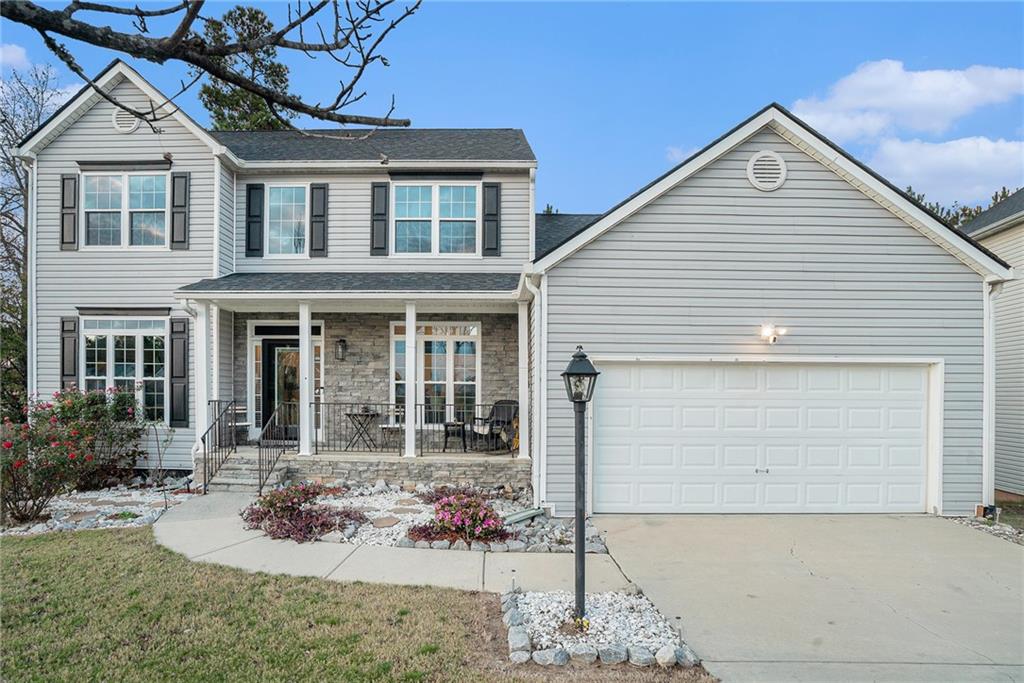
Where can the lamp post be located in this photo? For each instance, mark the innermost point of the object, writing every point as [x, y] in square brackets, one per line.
[580, 377]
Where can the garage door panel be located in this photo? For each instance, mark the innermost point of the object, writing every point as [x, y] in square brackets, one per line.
[749, 438]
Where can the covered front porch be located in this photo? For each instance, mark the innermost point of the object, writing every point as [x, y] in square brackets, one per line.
[335, 374]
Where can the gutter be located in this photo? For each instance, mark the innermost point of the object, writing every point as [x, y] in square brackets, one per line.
[998, 226]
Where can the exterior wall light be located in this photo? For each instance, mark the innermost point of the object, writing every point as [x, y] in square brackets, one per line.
[340, 349]
[771, 334]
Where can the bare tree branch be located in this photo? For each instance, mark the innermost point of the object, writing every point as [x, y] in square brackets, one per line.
[359, 27]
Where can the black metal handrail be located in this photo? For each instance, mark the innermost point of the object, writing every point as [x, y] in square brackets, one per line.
[373, 427]
[280, 431]
[219, 439]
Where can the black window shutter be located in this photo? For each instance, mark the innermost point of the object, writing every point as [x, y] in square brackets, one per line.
[68, 352]
[492, 219]
[254, 219]
[69, 212]
[379, 220]
[179, 210]
[318, 219]
[179, 372]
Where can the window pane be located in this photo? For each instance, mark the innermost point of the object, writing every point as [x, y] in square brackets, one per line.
[287, 222]
[412, 237]
[399, 360]
[412, 202]
[147, 228]
[153, 399]
[434, 361]
[102, 192]
[102, 228]
[95, 384]
[458, 237]
[400, 395]
[152, 356]
[465, 402]
[433, 398]
[124, 356]
[147, 192]
[457, 201]
[465, 361]
[96, 358]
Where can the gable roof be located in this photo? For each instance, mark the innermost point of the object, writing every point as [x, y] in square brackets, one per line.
[813, 143]
[113, 74]
[553, 229]
[411, 144]
[995, 218]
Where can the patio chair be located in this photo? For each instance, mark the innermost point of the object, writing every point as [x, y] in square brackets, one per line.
[497, 426]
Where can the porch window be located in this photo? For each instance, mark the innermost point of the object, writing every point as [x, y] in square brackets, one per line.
[449, 362]
[436, 219]
[114, 204]
[127, 355]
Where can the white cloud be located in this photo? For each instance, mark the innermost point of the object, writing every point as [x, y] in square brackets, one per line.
[680, 154]
[967, 170]
[881, 98]
[13, 56]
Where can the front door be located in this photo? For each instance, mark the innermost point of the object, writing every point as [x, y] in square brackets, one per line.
[281, 382]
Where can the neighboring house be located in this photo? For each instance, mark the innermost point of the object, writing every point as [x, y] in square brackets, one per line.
[396, 295]
[1001, 230]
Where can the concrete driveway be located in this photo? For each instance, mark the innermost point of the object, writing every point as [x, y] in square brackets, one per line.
[827, 598]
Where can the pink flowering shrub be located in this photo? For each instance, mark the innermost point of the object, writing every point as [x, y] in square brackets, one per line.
[464, 517]
[292, 512]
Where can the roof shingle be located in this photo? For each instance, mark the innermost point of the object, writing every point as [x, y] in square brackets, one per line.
[357, 282]
[1013, 204]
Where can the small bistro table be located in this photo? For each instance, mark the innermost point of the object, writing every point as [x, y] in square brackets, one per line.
[361, 424]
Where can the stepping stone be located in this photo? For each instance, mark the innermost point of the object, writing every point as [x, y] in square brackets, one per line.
[409, 501]
[79, 516]
[404, 511]
[385, 522]
[365, 508]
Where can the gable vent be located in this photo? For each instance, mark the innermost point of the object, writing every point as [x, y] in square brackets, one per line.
[766, 170]
[124, 122]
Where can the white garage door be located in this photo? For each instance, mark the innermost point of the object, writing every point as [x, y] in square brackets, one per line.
[725, 437]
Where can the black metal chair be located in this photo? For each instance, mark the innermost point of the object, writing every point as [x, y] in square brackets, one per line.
[497, 426]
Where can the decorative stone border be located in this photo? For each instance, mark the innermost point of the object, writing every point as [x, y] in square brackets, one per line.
[521, 651]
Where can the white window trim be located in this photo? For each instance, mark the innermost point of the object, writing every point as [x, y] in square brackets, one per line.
[449, 365]
[139, 357]
[435, 219]
[266, 223]
[251, 340]
[125, 212]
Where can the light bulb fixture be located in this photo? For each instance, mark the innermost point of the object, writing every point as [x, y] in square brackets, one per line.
[770, 333]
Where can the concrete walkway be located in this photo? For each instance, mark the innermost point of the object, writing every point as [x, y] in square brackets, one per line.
[209, 529]
[827, 598]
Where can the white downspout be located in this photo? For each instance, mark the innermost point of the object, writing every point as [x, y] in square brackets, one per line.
[990, 288]
[31, 365]
[539, 476]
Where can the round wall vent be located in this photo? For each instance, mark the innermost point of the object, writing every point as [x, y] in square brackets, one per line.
[766, 170]
[124, 122]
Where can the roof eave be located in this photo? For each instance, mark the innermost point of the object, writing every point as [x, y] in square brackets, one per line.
[1004, 224]
[241, 164]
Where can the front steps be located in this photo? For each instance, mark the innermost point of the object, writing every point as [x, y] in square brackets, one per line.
[240, 473]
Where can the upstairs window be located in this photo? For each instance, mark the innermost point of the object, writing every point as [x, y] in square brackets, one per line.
[286, 222]
[125, 210]
[440, 219]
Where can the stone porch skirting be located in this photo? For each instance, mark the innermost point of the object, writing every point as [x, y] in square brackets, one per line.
[481, 471]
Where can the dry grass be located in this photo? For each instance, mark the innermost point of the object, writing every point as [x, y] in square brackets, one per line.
[1012, 514]
[112, 605]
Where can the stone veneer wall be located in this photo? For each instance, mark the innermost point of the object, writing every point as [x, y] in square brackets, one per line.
[364, 374]
[485, 472]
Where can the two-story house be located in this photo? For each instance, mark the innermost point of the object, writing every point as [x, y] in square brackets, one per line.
[778, 329]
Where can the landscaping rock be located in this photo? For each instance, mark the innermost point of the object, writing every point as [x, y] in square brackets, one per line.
[582, 653]
[384, 522]
[513, 618]
[479, 546]
[516, 546]
[552, 657]
[686, 657]
[640, 656]
[499, 548]
[381, 486]
[612, 653]
[519, 657]
[460, 545]
[561, 548]
[666, 656]
[632, 589]
[518, 639]
[350, 530]
[406, 542]
[440, 545]
[422, 544]
[595, 548]
[538, 548]
[333, 537]
[404, 511]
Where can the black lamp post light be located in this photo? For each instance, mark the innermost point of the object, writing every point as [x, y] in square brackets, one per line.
[580, 378]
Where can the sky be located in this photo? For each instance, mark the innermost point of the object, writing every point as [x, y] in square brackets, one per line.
[611, 95]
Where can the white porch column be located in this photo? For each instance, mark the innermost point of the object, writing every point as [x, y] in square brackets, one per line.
[305, 380]
[412, 382]
[202, 354]
[524, 380]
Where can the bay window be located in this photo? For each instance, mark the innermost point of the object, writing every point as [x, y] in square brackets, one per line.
[125, 209]
[436, 219]
[127, 355]
[448, 356]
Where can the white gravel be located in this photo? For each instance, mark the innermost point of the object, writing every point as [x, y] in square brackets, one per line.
[382, 505]
[102, 509]
[1004, 531]
[614, 618]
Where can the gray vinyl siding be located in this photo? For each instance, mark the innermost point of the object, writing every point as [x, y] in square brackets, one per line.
[66, 279]
[226, 212]
[697, 271]
[1008, 309]
[225, 355]
[348, 229]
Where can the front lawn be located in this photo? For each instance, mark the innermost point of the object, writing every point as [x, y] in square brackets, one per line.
[113, 605]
